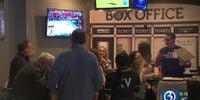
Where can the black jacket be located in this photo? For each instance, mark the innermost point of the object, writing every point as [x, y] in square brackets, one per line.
[30, 83]
[122, 84]
[17, 63]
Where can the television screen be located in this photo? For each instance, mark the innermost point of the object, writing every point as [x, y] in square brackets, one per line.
[140, 4]
[61, 22]
[100, 4]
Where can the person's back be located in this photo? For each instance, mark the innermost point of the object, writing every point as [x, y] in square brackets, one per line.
[25, 85]
[77, 83]
[30, 83]
[124, 84]
[121, 85]
[76, 75]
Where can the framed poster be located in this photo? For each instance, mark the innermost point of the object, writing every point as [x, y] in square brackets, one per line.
[190, 44]
[124, 44]
[107, 42]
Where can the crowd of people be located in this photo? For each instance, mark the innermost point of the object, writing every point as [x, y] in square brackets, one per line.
[81, 74]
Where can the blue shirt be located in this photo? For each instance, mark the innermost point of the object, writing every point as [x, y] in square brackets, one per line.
[170, 62]
[76, 75]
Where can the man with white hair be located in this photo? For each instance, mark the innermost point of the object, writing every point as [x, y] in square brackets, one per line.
[30, 83]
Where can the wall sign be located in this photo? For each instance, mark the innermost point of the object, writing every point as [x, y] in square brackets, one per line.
[103, 30]
[155, 13]
[124, 30]
[186, 29]
[141, 30]
[162, 30]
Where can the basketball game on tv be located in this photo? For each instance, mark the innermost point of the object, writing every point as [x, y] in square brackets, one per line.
[61, 22]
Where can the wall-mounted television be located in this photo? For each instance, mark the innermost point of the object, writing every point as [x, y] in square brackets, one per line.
[140, 4]
[101, 4]
[62, 22]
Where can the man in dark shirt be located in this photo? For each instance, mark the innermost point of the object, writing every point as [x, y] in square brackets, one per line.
[25, 51]
[30, 82]
[121, 85]
[168, 61]
[76, 74]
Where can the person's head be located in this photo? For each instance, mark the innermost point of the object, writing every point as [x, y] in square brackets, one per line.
[145, 50]
[103, 52]
[122, 60]
[170, 39]
[78, 37]
[45, 60]
[25, 48]
[135, 57]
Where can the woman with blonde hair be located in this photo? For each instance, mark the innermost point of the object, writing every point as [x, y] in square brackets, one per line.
[105, 61]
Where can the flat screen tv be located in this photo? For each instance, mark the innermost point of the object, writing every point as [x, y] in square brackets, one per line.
[62, 22]
[101, 4]
[140, 4]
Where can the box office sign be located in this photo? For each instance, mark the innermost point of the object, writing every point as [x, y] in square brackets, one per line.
[124, 30]
[186, 29]
[162, 30]
[155, 13]
[101, 30]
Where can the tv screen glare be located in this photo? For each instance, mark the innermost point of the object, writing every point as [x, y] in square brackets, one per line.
[140, 4]
[100, 4]
[62, 22]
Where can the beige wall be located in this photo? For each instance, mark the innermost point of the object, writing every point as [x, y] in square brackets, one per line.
[36, 22]
[31, 24]
[7, 50]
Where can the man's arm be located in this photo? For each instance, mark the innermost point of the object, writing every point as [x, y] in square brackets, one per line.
[96, 94]
[54, 95]
[54, 76]
[185, 64]
[158, 60]
[97, 77]
[158, 64]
